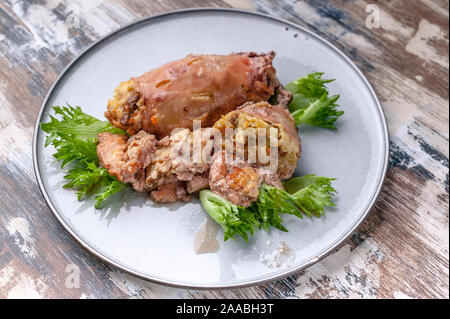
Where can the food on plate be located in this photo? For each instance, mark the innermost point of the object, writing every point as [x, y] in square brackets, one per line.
[127, 158]
[197, 87]
[174, 160]
[235, 180]
[262, 115]
[151, 139]
[159, 167]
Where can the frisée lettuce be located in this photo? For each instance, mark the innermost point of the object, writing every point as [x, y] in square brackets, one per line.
[74, 136]
[311, 103]
[307, 195]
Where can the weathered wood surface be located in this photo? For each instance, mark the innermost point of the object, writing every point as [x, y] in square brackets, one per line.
[401, 250]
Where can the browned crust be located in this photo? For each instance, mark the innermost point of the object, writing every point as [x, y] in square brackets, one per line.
[273, 114]
[197, 87]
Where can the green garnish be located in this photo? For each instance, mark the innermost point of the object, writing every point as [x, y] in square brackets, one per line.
[311, 103]
[235, 220]
[74, 137]
[307, 195]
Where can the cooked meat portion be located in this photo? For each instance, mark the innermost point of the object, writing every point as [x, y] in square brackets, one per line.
[183, 143]
[139, 150]
[198, 87]
[270, 179]
[174, 157]
[174, 171]
[284, 97]
[198, 182]
[236, 181]
[264, 116]
[159, 171]
[180, 164]
[126, 158]
[110, 150]
[170, 192]
[155, 166]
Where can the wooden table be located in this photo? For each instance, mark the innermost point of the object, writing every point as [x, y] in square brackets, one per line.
[400, 251]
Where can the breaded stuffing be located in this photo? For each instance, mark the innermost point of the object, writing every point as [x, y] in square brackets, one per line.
[264, 116]
[174, 157]
[122, 108]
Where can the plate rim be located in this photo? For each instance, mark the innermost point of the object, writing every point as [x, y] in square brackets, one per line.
[244, 283]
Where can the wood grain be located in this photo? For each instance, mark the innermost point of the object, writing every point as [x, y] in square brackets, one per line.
[400, 251]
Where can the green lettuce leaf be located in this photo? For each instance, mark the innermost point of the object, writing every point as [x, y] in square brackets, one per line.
[311, 103]
[235, 220]
[308, 195]
[311, 193]
[74, 136]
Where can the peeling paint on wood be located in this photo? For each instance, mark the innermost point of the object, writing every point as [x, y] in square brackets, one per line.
[401, 249]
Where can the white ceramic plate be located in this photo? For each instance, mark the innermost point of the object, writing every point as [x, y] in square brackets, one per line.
[155, 241]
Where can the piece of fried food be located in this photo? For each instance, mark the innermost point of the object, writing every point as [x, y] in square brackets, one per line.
[234, 180]
[127, 158]
[164, 168]
[171, 160]
[198, 87]
[262, 115]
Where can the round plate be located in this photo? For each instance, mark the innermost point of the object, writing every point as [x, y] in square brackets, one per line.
[156, 242]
